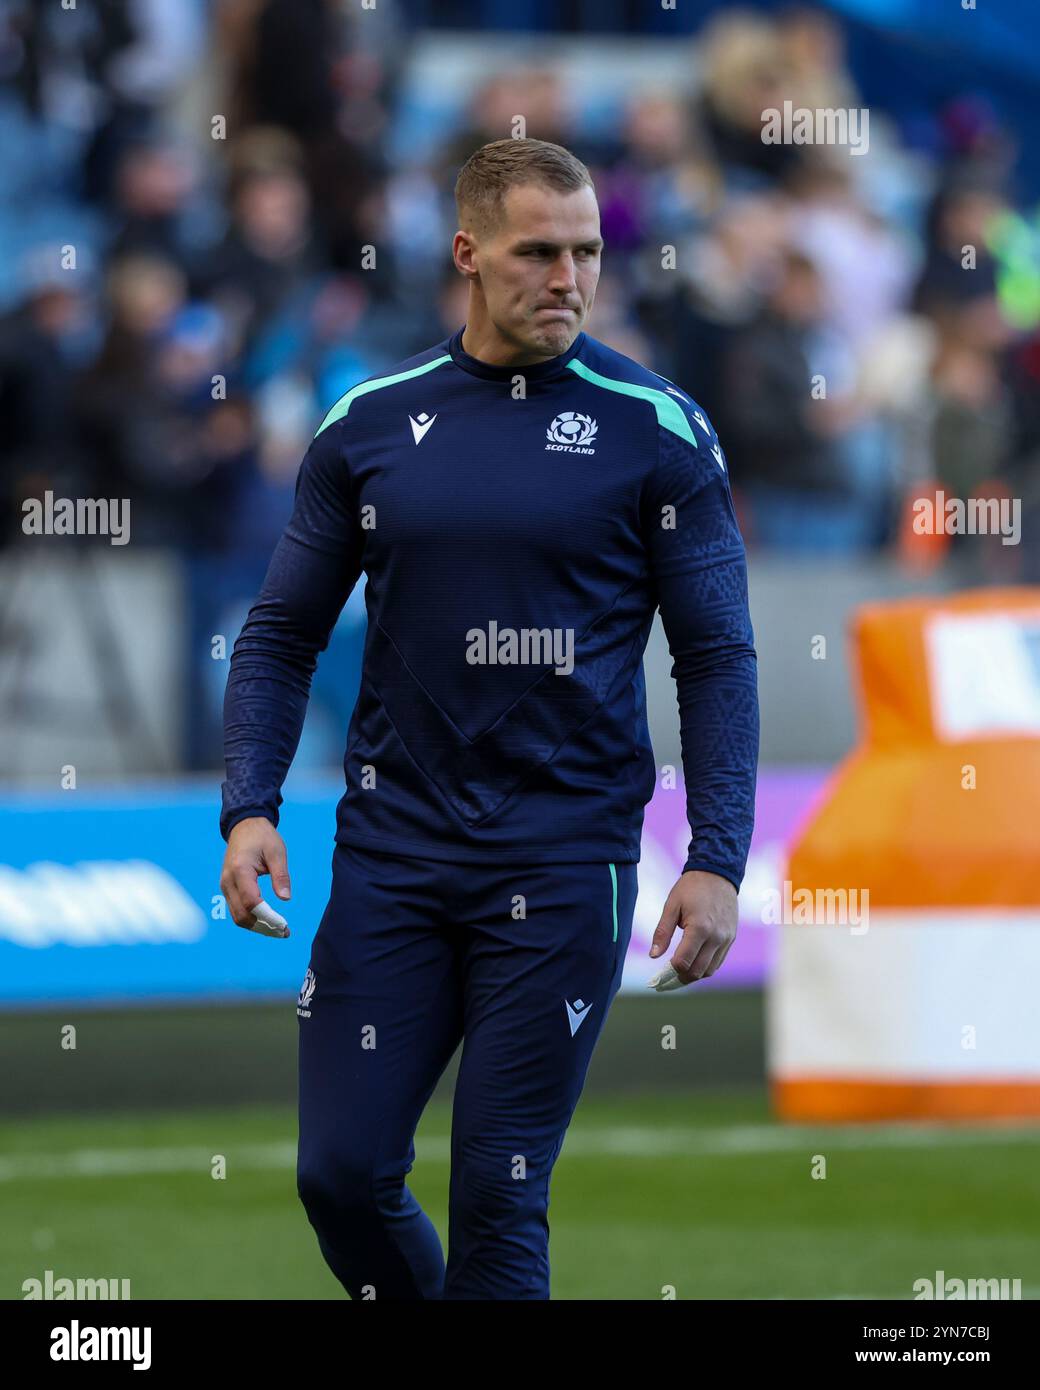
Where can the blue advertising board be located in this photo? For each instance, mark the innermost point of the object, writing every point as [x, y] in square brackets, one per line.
[114, 895]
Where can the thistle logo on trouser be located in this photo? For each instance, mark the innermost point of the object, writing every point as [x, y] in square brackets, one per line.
[306, 994]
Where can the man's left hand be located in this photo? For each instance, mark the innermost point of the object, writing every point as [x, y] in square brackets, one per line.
[704, 905]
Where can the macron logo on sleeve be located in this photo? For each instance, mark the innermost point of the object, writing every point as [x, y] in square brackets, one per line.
[715, 449]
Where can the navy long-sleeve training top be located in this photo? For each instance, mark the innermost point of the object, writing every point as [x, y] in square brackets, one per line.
[518, 528]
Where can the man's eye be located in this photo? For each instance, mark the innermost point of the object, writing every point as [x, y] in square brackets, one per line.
[547, 251]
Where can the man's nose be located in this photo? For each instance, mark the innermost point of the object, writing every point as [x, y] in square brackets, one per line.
[563, 277]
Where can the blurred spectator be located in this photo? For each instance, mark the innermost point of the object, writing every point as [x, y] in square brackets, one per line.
[269, 251]
[536, 94]
[958, 264]
[968, 401]
[722, 275]
[148, 420]
[287, 55]
[298, 67]
[151, 209]
[744, 72]
[661, 185]
[865, 268]
[782, 432]
[41, 341]
[812, 45]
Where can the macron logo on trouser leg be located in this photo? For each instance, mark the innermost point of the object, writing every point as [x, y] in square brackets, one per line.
[577, 1014]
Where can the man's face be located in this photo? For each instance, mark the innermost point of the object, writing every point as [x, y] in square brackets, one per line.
[539, 271]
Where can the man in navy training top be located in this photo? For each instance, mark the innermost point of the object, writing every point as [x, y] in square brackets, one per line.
[521, 498]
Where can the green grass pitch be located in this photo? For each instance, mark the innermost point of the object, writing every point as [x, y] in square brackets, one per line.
[701, 1193]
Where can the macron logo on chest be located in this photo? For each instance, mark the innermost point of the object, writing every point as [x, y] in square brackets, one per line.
[420, 426]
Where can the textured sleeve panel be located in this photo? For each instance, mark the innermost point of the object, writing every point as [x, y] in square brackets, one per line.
[315, 565]
[697, 559]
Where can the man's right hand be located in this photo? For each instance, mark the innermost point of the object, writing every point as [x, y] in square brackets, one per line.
[254, 848]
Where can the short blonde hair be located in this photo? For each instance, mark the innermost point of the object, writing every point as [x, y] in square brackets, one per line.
[492, 170]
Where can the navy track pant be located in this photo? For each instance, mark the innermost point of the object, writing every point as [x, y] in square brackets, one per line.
[412, 956]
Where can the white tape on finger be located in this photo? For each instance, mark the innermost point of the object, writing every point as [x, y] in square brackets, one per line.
[665, 979]
[267, 922]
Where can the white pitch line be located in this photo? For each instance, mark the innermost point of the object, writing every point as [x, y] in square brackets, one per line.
[750, 1139]
[615, 1142]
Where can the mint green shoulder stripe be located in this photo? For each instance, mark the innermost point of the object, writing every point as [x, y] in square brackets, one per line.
[343, 404]
[669, 412]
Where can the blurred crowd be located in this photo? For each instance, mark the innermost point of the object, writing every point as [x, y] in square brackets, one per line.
[185, 287]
